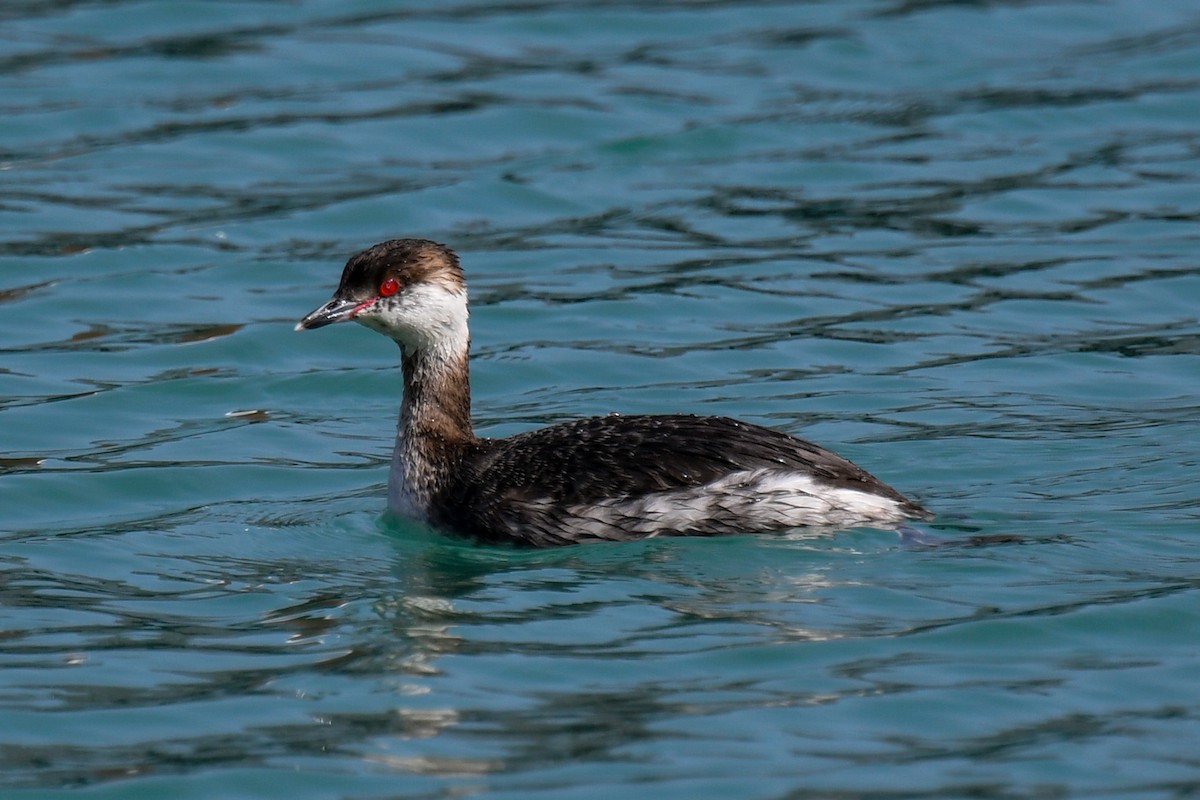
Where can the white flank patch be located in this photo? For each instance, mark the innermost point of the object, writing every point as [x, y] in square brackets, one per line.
[753, 500]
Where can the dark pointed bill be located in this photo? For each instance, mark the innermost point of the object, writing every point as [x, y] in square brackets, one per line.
[336, 310]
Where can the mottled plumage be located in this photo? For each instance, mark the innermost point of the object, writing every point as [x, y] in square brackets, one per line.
[603, 478]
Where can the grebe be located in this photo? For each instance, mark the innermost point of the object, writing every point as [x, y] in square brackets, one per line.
[609, 478]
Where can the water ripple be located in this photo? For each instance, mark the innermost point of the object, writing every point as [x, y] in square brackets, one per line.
[955, 241]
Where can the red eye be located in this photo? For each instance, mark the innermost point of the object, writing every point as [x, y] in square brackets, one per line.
[389, 287]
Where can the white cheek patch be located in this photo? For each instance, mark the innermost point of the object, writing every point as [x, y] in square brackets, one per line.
[426, 316]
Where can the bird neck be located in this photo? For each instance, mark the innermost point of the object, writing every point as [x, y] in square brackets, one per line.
[437, 395]
[434, 429]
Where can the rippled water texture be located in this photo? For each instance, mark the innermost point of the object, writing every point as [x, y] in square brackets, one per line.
[958, 242]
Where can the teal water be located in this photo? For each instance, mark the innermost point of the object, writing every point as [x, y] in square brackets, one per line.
[958, 242]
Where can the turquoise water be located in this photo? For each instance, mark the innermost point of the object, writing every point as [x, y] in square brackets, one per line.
[957, 242]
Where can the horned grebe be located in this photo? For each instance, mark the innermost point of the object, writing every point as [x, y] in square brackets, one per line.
[607, 478]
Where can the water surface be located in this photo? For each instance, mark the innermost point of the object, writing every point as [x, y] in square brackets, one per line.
[955, 241]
